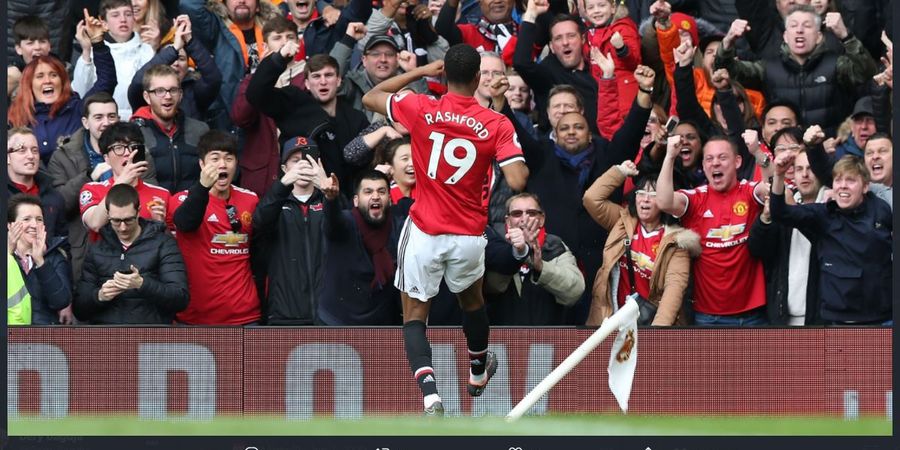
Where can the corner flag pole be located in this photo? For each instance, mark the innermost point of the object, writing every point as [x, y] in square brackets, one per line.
[624, 315]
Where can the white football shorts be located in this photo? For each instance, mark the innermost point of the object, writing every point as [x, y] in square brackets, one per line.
[423, 260]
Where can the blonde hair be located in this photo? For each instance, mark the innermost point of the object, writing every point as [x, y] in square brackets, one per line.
[851, 165]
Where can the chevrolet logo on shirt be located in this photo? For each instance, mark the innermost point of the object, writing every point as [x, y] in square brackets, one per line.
[725, 232]
[230, 239]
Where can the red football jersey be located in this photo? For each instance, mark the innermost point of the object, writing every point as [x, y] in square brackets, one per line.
[94, 193]
[727, 280]
[218, 263]
[644, 246]
[454, 143]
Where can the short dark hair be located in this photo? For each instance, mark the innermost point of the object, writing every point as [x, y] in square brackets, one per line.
[217, 140]
[159, 70]
[119, 132]
[278, 24]
[371, 174]
[563, 17]
[880, 135]
[785, 104]
[462, 64]
[386, 155]
[721, 137]
[320, 61]
[17, 200]
[795, 133]
[30, 28]
[99, 97]
[122, 195]
[106, 5]
[566, 89]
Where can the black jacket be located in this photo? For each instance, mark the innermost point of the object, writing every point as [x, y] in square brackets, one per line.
[297, 113]
[52, 205]
[543, 76]
[50, 285]
[200, 87]
[558, 188]
[771, 243]
[535, 306]
[155, 254]
[347, 297]
[854, 255]
[290, 236]
[175, 158]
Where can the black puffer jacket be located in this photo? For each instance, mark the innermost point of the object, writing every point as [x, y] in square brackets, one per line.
[175, 157]
[155, 254]
[290, 235]
[55, 13]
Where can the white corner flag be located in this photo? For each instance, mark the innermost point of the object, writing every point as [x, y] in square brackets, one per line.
[623, 357]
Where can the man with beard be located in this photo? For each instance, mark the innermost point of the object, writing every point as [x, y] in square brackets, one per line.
[213, 224]
[320, 30]
[317, 113]
[361, 259]
[170, 136]
[232, 31]
[566, 64]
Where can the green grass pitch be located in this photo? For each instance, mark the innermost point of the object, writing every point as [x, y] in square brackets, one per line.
[559, 425]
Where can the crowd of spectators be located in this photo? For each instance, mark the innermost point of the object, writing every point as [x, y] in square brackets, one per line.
[211, 162]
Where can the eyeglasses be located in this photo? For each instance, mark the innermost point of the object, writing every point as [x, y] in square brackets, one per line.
[491, 73]
[22, 149]
[643, 193]
[231, 210]
[794, 147]
[387, 54]
[516, 213]
[161, 92]
[127, 221]
[121, 149]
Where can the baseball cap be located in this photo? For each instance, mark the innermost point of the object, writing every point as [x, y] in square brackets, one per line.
[298, 144]
[863, 106]
[381, 39]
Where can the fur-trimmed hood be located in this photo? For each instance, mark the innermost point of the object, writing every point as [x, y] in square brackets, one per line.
[686, 239]
[266, 11]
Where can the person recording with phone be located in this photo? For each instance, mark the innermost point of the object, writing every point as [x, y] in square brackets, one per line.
[135, 273]
[122, 146]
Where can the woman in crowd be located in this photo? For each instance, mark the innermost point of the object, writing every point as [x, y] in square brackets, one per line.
[661, 250]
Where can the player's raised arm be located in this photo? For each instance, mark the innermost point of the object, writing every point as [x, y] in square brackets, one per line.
[376, 99]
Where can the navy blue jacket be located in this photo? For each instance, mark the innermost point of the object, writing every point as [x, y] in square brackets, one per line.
[347, 297]
[319, 38]
[49, 130]
[50, 285]
[854, 255]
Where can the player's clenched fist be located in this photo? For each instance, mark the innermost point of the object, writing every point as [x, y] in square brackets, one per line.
[434, 69]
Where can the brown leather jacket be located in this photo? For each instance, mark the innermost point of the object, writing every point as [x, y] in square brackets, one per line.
[673, 260]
